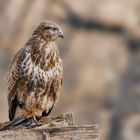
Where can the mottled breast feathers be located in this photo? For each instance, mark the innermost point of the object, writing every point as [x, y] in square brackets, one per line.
[34, 81]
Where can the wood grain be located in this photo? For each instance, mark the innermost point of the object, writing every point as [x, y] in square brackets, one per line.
[62, 133]
[54, 128]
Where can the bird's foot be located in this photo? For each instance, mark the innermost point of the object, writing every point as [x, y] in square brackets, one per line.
[36, 120]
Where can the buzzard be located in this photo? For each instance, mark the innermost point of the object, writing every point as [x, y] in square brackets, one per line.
[35, 74]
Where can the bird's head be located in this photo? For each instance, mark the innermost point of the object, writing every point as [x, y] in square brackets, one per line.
[49, 31]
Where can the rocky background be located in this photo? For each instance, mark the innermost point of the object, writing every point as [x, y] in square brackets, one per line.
[100, 53]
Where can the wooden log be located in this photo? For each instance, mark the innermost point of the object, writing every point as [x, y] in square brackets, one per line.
[53, 128]
[88, 132]
[61, 120]
[62, 133]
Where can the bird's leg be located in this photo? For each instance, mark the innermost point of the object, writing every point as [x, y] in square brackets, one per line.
[35, 120]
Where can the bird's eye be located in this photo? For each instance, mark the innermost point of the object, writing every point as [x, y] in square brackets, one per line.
[50, 28]
[53, 28]
[46, 28]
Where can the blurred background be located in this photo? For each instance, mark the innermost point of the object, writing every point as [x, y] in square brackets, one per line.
[100, 53]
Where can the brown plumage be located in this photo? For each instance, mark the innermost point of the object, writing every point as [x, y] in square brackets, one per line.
[35, 74]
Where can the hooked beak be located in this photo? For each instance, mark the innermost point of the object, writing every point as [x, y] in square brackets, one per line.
[61, 34]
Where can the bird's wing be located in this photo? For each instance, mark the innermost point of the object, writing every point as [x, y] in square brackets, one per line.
[13, 79]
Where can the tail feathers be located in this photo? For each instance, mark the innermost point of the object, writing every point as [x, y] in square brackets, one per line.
[46, 113]
[12, 109]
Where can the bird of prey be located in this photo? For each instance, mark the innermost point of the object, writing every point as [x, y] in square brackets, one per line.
[35, 74]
